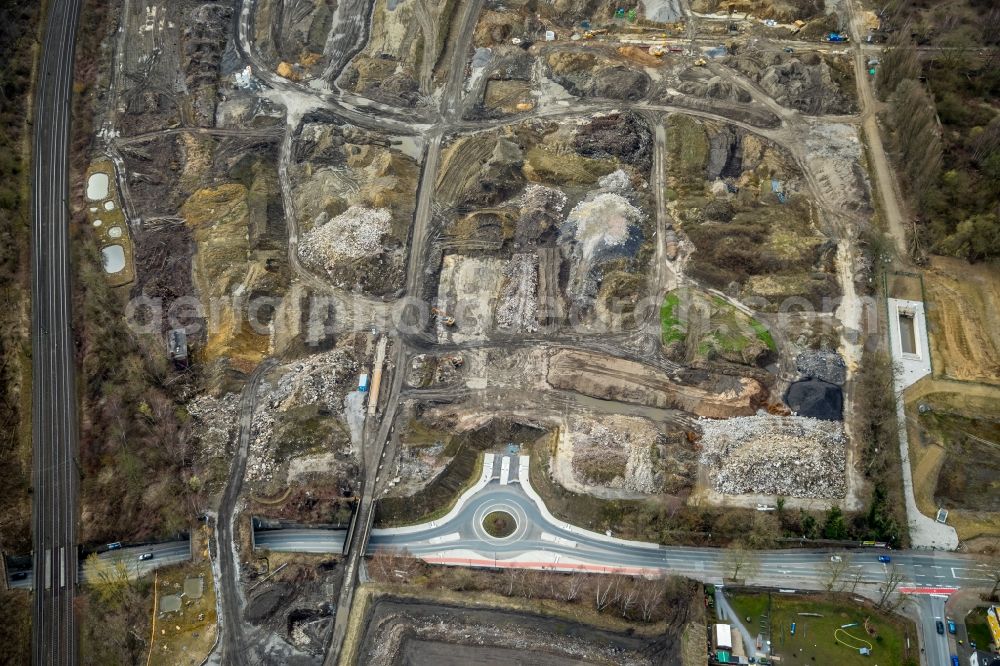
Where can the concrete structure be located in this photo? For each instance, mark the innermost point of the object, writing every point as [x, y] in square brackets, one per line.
[722, 636]
[908, 341]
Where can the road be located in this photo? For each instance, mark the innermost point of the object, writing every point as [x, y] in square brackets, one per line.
[53, 415]
[233, 638]
[164, 555]
[293, 540]
[936, 647]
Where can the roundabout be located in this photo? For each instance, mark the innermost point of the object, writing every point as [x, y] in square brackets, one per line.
[499, 524]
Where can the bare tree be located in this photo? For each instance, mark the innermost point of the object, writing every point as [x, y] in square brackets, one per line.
[893, 577]
[854, 580]
[605, 590]
[835, 570]
[574, 585]
[651, 597]
[392, 564]
[629, 594]
[738, 559]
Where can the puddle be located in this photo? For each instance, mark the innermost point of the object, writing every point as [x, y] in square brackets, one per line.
[115, 232]
[98, 223]
[109, 205]
[97, 186]
[114, 258]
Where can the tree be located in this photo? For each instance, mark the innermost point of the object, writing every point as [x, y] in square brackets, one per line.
[993, 571]
[737, 559]
[834, 527]
[893, 577]
[834, 571]
[764, 530]
[899, 63]
[975, 238]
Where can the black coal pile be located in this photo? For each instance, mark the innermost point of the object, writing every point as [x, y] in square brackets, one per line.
[817, 399]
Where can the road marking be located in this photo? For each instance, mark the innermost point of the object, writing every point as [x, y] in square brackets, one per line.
[958, 577]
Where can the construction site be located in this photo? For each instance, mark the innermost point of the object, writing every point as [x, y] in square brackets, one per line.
[623, 240]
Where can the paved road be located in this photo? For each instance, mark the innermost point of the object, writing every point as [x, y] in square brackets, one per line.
[54, 425]
[295, 540]
[164, 554]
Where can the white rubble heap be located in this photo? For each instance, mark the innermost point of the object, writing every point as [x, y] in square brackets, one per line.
[616, 181]
[322, 379]
[518, 305]
[539, 197]
[773, 455]
[602, 222]
[217, 420]
[356, 233]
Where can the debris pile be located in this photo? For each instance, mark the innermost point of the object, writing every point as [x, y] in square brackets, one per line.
[356, 233]
[518, 305]
[772, 455]
[616, 181]
[598, 228]
[825, 365]
[310, 388]
[616, 457]
[541, 209]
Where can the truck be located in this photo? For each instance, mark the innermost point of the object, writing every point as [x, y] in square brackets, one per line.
[363, 383]
[837, 37]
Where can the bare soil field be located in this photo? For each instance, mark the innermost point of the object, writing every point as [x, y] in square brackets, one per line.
[405, 631]
[954, 455]
[963, 312]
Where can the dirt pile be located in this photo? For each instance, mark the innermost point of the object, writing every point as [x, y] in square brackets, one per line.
[827, 366]
[302, 412]
[627, 453]
[540, 210]
[806, 82]
[619, 135]
[773, 455]
[589, 75]
[609, 378]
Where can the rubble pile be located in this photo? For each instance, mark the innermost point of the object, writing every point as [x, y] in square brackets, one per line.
[321, 380]
[216, 420]
[599, 228]
[773, 455]
[517, 308]
[616, 181]
[541, 208]
[616, 454]
[356, 233]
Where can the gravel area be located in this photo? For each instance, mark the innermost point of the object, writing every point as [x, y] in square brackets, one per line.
[774, 455]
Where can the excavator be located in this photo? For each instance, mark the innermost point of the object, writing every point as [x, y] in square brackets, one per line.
[443, 316]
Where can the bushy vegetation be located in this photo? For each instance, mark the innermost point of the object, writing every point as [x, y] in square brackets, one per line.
[136, 458]
[945, 132]
[18, 25]
[669, 599]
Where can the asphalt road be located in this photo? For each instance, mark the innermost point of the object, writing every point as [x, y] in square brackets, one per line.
[164, 554]
[292, 540]
[53, 417]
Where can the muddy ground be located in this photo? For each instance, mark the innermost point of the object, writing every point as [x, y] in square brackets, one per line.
[406, 632]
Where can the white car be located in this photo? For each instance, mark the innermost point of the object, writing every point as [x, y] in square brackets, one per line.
[836, 558]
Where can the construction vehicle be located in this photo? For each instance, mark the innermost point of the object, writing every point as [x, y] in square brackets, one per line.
[443, 316]
[700, 62]
[590, 34]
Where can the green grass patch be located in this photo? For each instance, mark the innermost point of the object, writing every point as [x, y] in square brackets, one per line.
[671, 325]
[753, 606]
[977, 628]
[763, 334]
[815, 640]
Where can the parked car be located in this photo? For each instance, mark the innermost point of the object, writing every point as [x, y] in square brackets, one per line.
[145, 556]
[884, 559]
[954, 660]
[115, 546]
[952, 629]
[940, 627]
[19, 575]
